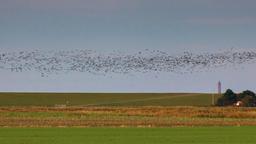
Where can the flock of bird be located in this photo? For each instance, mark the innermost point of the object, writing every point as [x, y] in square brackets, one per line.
[55, 62]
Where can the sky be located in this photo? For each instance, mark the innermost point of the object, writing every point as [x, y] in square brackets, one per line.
[129, 26]
[123, 24]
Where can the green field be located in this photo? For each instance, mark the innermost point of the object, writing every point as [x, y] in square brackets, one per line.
[105, 99]
[182, 135]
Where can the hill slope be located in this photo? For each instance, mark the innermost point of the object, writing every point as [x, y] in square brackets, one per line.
[105, 99]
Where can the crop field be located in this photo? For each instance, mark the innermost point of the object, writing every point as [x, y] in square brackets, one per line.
[106, 99]
[126, 116]
[178, 135]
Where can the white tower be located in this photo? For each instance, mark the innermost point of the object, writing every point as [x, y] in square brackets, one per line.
[219, 88]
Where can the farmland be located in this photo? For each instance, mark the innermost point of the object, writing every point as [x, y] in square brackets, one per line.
[66, 118]
[118, 110]
[106, 99]
[126, 116]
[180, 135]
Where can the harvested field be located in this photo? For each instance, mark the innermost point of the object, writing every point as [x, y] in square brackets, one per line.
[126, 116]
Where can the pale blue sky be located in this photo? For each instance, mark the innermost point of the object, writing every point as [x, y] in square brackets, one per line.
[130, 25]
[127, 24]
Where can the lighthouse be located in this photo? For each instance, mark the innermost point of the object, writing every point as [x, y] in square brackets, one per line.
[219, 88]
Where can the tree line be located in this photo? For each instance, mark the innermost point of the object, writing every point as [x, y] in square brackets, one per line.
[246, 98]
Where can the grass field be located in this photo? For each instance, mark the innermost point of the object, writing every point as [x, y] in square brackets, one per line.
[179, 135]
[105, 99]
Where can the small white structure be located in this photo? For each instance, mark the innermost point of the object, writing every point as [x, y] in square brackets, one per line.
[239, 103]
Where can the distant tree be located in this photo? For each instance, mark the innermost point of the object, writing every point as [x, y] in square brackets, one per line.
[248, 98]
[248, 101]
[228, 98]
[250, 93]
[220, 102]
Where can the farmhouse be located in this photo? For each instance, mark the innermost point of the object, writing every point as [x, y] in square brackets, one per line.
[238, 104]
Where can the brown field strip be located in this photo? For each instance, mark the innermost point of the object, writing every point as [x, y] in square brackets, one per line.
[125, 116]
